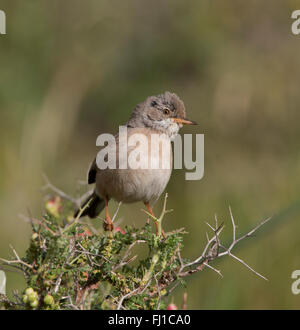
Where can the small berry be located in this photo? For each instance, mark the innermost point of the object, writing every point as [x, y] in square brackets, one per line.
[34, 304]
[34, 236]
[49, 300]
[32, 297]
[29, 291]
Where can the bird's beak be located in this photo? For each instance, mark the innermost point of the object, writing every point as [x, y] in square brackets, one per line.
[184, 121]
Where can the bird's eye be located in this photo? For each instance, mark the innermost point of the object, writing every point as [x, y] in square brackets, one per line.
[166, 111]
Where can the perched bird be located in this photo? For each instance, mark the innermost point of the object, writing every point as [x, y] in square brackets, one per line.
[162, 115]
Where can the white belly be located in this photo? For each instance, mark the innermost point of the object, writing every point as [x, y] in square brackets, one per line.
[132, 185]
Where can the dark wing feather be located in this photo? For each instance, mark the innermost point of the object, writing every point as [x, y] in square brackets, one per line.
[94, 168]
[92, 172]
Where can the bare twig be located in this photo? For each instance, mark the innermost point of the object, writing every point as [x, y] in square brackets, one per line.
[59, 192]
[83, 197]
[17, 261]
[158, 292]
[217, 232]
[159, 220]
[235, 241]
[131, 293]
[116, 213]
[124, 261]
[211, 250]
[75, 221]
[214, 269]
[138, 290]
[39, 222]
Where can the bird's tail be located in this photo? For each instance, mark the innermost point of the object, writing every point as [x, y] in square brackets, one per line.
[92, 206]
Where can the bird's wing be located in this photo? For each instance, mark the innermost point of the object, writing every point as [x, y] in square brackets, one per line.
[92, 172]
[93, 169]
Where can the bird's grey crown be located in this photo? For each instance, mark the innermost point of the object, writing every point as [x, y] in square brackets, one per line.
[152, 111]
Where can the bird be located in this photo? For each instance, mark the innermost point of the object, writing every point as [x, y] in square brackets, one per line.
[163, 115]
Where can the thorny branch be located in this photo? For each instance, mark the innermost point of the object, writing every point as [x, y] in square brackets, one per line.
[156, 279]
[16, 261]
[77, 202]
[124, 261]
[211, 250]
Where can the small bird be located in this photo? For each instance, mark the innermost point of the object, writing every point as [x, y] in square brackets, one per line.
[162, 115]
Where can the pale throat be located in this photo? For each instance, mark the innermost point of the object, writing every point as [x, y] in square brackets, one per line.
[168, 127]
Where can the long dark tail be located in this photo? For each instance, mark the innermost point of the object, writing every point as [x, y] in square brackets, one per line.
[95, 206]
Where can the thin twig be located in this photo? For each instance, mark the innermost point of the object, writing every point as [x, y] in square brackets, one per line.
[17, 261]
[126, 296]
[117, 210]
[158, 292]
[211, 250]
[39, 222]
[123, 261]
[59, 192]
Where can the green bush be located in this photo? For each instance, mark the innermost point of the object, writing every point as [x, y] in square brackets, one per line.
[71, 265]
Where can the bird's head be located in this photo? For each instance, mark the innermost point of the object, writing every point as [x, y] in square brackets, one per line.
[164, 113]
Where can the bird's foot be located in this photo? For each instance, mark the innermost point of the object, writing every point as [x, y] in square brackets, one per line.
[108, 225]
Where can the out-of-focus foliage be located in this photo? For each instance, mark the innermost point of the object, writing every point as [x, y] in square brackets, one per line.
[70, 70]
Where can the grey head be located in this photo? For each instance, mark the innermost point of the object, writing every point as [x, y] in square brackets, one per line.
[164, 113]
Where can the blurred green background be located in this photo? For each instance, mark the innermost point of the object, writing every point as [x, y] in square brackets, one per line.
[70, 70]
